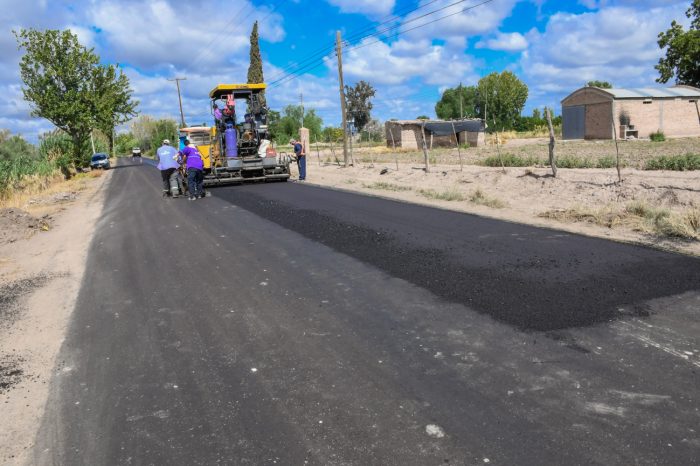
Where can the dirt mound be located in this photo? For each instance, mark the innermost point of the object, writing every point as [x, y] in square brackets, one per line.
[16, 224]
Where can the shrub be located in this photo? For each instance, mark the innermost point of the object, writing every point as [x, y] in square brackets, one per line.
[447, 195]
[658, 136]
[478, 197]
[606, 162]
[18, 160]
[674, 162]
[510, 160]
[575, 162]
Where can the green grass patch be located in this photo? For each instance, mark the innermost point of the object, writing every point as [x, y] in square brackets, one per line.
[447, 195]
[511, 160]
[658, 136]
[674, 162]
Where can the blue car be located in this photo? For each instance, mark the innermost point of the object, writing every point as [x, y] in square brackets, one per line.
[100, 161]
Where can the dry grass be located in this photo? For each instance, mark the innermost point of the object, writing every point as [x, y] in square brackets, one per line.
[478, 197]
[34, 186]
[387, 186]
[637, 216]
[451, 194]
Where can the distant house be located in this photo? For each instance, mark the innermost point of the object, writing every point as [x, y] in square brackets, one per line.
[408, 134]
[589, 113]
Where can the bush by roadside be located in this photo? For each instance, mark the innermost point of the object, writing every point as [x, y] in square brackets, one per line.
[23, 164]
[510, 160]
[674, 162]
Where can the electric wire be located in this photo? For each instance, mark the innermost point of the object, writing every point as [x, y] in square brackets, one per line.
[325, 50]
[295, 74]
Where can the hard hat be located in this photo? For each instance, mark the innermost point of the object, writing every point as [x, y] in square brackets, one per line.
[166, 141]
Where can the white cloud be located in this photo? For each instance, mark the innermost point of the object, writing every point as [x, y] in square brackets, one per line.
[454, 22]
[509, 42]
[616, 44]
[161, 33]
[372, 8]
[396, 63]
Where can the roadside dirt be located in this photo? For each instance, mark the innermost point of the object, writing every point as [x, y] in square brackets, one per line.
[524, 195]
[43, 247]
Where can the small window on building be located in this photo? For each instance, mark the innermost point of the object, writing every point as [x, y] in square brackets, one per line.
[692, 101]
[647, 101]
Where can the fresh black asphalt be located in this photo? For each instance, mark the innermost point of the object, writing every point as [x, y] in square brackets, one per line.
[284, 323]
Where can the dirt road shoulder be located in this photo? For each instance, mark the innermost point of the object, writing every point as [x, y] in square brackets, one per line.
[40, 277]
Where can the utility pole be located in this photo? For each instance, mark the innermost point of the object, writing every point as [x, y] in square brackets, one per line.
[339, 51]
[179, 98]
[301, 99]
[461, 113]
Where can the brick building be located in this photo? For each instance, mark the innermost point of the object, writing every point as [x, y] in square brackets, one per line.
[589, 112]
[408, 134]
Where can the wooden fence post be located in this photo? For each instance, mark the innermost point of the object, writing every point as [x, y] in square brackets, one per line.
[425, 148]
[459, 151]
[552, 158]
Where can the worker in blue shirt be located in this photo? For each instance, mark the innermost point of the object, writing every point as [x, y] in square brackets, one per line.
[168, 166]
[301, 158]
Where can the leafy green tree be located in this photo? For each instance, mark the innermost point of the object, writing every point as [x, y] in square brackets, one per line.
[500, 99]
[600, 84]
[162, 129]
[287, 126]
[15, 146]
[255, 68]
[422, 117]
[113, 105]
[457, 103]
[57, 73]
[331, 133]
[359, 104]
[65, 83]
[124, 142]
[682, 58]
[141, 128]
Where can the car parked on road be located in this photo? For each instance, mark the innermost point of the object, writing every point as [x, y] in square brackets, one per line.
[136, 152]
[100, 160]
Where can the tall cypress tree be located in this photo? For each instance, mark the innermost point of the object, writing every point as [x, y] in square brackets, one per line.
[255, 69]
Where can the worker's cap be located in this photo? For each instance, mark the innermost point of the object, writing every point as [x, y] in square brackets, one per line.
[166, 141]
[188, 141]
[292, 141]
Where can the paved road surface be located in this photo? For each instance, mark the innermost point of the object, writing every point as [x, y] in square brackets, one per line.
[288, 324]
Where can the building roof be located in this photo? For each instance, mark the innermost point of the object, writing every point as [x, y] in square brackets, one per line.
[653, 92]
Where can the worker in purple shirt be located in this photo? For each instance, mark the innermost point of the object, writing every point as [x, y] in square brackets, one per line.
[195, 169]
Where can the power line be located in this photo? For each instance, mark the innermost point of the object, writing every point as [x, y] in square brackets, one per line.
[463, 10]
[352, 36]
[293, 75]
[207, 50]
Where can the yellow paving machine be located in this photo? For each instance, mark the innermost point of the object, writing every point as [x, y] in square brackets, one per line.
[237, 147]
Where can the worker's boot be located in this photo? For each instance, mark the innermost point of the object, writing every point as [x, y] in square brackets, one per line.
[174, 187]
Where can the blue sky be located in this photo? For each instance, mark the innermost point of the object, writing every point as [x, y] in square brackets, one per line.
[554, 46]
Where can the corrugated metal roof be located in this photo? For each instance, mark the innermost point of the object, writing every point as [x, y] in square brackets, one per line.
[654, 92]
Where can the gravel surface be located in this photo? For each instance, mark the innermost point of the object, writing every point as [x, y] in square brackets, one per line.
[17, 224]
